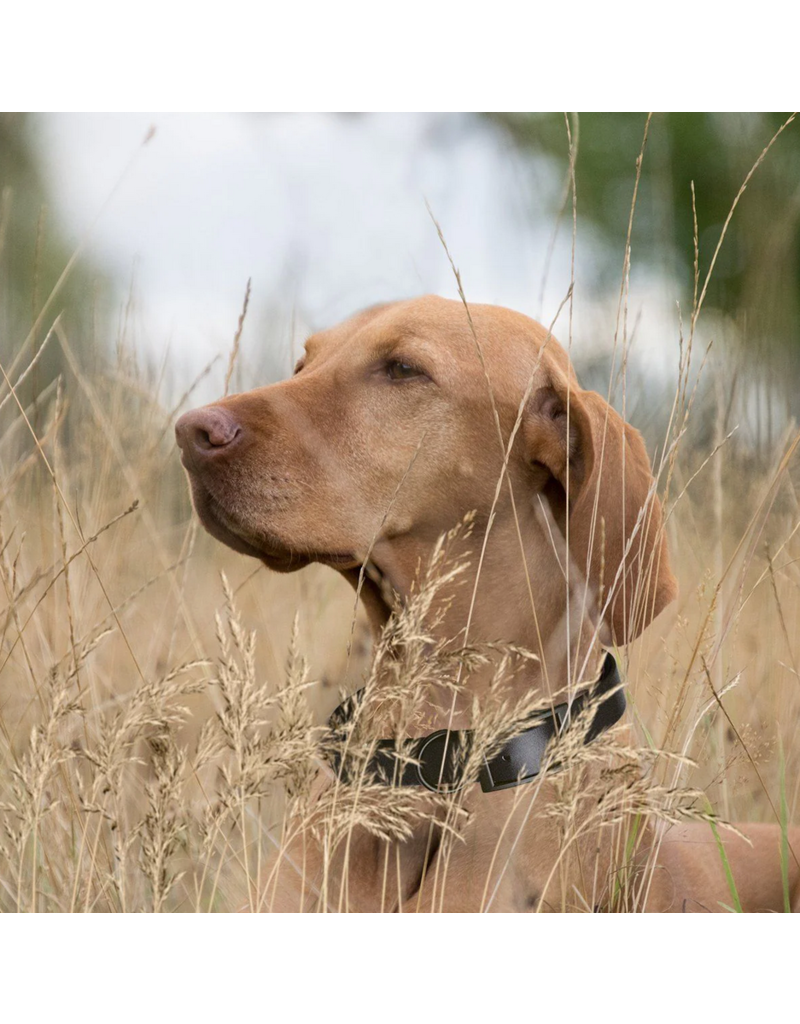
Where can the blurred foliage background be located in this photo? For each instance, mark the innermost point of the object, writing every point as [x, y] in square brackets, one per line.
[758, 268]
[34, 256]
[756, 282]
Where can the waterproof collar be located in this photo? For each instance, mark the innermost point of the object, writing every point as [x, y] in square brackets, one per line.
[436, 761]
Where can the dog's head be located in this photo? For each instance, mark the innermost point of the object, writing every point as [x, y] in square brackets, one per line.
[390, 431]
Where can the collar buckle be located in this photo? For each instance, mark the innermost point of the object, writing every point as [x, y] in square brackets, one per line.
[440, 756]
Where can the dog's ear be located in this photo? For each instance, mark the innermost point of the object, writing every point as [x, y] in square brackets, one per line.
[612, 512]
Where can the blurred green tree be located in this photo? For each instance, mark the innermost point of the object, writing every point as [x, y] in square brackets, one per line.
[33, 257]
[757, 276]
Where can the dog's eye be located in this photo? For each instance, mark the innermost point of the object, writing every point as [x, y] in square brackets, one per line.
[301, 362]
[398, 370]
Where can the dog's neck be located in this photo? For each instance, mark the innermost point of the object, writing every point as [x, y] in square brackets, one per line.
[554, 623]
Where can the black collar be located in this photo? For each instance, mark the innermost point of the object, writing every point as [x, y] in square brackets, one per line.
[435, 761]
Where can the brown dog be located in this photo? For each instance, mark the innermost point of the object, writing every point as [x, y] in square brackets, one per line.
[395, 425]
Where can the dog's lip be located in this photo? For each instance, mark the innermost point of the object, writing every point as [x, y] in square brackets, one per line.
[337, 561]
[267, 547]
[220, 524]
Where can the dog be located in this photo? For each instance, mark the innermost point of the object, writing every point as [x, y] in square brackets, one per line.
[395, 425]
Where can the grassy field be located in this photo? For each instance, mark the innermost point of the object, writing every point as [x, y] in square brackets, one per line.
[159, 693]
[123, 659]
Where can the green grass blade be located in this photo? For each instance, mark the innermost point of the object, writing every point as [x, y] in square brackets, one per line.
[737, 906]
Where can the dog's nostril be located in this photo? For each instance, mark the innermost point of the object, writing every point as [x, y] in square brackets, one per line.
[207, 429]
[217, 435]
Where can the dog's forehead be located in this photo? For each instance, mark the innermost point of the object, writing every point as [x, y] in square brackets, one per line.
[506, 338]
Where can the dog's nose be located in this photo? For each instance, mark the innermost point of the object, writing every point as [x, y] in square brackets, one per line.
[206, 431]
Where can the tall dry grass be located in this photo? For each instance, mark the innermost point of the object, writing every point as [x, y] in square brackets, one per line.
[162, 699]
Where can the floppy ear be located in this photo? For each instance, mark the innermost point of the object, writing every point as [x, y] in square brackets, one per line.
[615, 528]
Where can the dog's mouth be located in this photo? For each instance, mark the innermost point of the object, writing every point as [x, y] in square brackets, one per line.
[375, 590]
[260, 544]
[366, 578]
